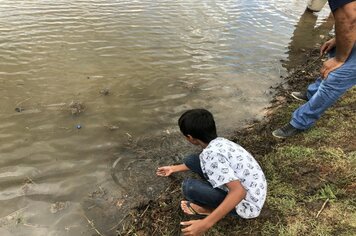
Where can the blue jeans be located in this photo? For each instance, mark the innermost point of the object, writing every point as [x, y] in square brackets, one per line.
[201, 192]
[324, 93]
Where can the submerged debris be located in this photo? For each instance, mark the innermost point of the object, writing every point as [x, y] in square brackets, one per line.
[58, 206]
[13, 218]
[119, 203]
[19, 109]
[111, 127]
[129, 138]
[105, 91]
[190, 86]
[76, 107]
[100, 193]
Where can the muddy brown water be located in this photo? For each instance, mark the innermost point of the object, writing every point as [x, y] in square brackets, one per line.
[131, 68]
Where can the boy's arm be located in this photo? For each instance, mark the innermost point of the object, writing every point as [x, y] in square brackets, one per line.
[168, 170]
[235, 195]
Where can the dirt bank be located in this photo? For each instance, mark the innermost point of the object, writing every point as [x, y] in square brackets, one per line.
[311, 176]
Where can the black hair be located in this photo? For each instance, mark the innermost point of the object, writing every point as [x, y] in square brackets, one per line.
[199, 123]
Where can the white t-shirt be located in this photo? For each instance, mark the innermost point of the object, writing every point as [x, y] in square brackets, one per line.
[223, 161]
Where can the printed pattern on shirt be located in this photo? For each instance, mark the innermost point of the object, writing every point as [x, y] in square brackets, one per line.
[223, 161]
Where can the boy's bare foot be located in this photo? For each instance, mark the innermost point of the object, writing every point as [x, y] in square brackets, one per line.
[194, 209]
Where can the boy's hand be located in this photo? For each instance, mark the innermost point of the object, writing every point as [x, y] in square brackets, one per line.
[194, 227]
[165, 171]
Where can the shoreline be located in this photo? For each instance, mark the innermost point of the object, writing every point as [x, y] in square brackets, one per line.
[310, 176]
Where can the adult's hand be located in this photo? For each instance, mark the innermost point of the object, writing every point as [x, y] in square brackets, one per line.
[327, 46]
[329, 66]
[194, 227]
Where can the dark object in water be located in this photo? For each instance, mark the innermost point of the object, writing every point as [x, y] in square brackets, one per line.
[19, 109]
[105, 91]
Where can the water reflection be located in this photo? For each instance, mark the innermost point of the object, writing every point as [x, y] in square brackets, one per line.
[306, 35]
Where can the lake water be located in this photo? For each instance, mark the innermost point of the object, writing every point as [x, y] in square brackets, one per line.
[91, 92]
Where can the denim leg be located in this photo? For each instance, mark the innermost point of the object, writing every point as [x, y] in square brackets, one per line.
[193, 163]
[203, 194]
[313, 88]
[326, 94]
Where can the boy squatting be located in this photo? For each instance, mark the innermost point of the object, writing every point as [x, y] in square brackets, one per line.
[233, 182]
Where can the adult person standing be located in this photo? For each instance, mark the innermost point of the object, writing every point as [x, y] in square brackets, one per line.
[338, 73]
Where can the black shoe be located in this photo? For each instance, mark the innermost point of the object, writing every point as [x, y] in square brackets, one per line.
[286, 131]
[300, 96]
